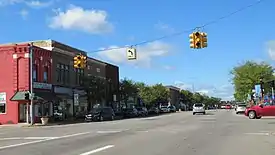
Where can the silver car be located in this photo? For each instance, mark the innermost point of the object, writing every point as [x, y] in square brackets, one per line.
[198, 108]
[240, 108]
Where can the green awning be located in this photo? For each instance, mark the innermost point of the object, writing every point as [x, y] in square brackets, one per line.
[19, 96]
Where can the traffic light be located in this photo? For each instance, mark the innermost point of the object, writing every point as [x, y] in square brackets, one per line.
[77, 61]
[203, 40]
[83, 61]
[27, 96]
[195, 40]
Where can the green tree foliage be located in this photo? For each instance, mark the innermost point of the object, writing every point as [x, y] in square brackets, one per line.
[127, 89]
[190, 98]
[152, 94]
[246, 75]
[159, 93]
[95, 87]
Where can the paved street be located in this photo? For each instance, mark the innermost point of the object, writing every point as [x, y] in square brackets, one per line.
[217, 133]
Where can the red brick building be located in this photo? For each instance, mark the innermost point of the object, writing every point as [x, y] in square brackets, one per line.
[55, 81]
[15, 80]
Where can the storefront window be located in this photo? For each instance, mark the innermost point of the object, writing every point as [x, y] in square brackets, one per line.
[2, 108]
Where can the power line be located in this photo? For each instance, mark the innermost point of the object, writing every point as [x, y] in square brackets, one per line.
[186, 31]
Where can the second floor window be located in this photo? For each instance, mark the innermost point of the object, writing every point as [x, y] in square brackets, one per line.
[34, 73]
[79, 75]
[63, 73]
[45, 74]
[58, 72]
[67, 74]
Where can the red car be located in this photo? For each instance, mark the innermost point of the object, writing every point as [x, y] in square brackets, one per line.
[228, 107]
[258, 111]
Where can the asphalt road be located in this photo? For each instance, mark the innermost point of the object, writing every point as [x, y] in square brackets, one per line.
[217, 133]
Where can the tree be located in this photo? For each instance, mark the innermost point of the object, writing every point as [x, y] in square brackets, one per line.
[245, 76]
[95, 89]
[197, 98]
[153, 94]
[160, 93]
[127, 89]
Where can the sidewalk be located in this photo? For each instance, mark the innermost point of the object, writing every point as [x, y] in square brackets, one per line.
[20, 125]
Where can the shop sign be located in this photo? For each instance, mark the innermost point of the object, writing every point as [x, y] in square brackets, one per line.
[38, 85]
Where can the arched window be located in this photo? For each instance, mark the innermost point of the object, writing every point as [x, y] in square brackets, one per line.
[34, 73]
[45, 74]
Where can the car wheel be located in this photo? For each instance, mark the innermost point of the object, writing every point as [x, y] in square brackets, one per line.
[203, 113]
[194, 113]
[252, 115]
[237, 113]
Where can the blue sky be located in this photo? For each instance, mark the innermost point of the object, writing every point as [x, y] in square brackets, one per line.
[95, 24]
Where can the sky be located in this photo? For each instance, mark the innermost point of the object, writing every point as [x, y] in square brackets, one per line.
[91, 25]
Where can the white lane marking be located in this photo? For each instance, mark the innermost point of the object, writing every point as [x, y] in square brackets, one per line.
[98, 150]
[261, 134]
[43, 140]
[108, 131]
[27, 138]
[36, 138]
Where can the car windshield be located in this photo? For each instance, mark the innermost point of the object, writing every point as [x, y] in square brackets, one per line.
[198, 105]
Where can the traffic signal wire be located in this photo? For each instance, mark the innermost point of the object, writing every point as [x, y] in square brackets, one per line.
[186, 31]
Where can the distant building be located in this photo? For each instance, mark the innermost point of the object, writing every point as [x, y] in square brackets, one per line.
[174, 95]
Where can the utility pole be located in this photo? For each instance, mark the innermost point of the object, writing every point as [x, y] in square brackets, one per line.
[31, 85]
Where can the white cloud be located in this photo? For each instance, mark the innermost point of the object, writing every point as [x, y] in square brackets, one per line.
[39, 4]
[10, 2]
[271, 49]
[24, 13]
[145, 54]
[30, 3]
[76, 18]
[167, 67]
[164, 27]
[225, 91]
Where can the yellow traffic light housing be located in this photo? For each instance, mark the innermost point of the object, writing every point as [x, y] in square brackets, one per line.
[198, 40]
[192, 40]
[83, 61]
[195, 40]
[204, 40]
[77, 61]
[197, 37]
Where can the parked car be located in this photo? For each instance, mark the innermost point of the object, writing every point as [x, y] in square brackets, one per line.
[130, 112]
[240, 108]
[164, 109]
[172, 108]
[198, 108]
[258, 111]
[142, 111]
[100, 114]
[154, 110]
